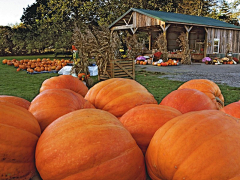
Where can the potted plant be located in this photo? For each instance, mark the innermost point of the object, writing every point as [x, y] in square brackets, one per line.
[207, 60]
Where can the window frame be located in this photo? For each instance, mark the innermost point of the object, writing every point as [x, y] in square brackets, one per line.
[216, 40]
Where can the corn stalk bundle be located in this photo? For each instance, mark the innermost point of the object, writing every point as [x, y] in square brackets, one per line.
[134, 46]
[161, 44]
[97, 42]
[184, 47]
[81, 63]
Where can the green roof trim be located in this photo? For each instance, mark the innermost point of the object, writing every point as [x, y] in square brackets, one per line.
[170, 17]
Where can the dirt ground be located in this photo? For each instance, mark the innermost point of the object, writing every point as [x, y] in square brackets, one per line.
[220, 74]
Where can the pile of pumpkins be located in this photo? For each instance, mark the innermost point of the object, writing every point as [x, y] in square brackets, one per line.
[169, 62]
[117, 130]
[37, 65]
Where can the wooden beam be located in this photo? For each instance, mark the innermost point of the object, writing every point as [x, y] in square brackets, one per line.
[130, 18]
[134, 19]
[125, 22]
[122, 27]
[188, 29]
[164, 28]
[206, 29]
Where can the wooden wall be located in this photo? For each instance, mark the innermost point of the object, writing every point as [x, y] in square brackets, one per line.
[141, 20]
[228, 38]
[174, 31]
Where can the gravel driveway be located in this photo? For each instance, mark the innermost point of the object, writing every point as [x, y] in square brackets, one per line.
[220, 74]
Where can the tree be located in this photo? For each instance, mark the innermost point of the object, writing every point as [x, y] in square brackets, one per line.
[235, 12]
[5, 40]
[47, 26]
[225, 12]
[19, 38]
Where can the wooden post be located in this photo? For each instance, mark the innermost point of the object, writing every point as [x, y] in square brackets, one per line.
[133, 68]
[165, 52]
[186, 54]
[164, 28]
[150, 40]
[205, 42]
[187, 31]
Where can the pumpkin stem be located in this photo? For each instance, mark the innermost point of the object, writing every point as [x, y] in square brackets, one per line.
[219, 101]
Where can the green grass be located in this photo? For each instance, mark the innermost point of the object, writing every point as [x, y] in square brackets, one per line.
[20, 83]
[27, 86]
[159, 87]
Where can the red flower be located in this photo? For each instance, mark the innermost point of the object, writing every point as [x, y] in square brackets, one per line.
[157, 54]
[235, 59]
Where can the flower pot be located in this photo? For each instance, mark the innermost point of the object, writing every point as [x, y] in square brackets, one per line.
[149, 61]
[206, 62]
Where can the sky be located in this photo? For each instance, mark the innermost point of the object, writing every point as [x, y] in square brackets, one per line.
[12, 10]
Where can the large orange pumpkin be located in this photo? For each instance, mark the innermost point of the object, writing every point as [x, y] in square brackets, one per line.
[208, 87]
[232, 109]
[143, 121]
[19, 133]
[65, 82]
[118, 95]
[89, 144]
[197, 145]
[186, 100]
[16, 100]
[50, 104]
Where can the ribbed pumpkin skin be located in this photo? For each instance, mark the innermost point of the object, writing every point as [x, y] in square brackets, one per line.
[197, 145]
[19, 133]
[88, 144]
[16, 100]
[50, 104]
[208, 87]
[65, 82]
[143, 121]
[118, 95]
[187, 100]
[232, 109]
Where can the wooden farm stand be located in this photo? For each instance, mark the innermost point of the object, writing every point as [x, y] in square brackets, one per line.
[205, 36]
[119, 68]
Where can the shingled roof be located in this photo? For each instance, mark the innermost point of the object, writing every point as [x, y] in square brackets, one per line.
[177, 18]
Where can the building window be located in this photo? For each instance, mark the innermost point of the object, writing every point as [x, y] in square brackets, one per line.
[216, 46]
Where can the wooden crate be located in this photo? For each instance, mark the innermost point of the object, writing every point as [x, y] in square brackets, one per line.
[119, 68]
[197, 57]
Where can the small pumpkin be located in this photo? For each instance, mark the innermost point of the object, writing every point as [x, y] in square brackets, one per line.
[9, 62]
[186, 100]
[65, 82]
[143, 121]
[15, 100]
[80, 75]
[196, 145]
[19, 133]
[88, 144]
[4, 61]
[50, 104]
[118, 95]
[208, 87]
[232, 109]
